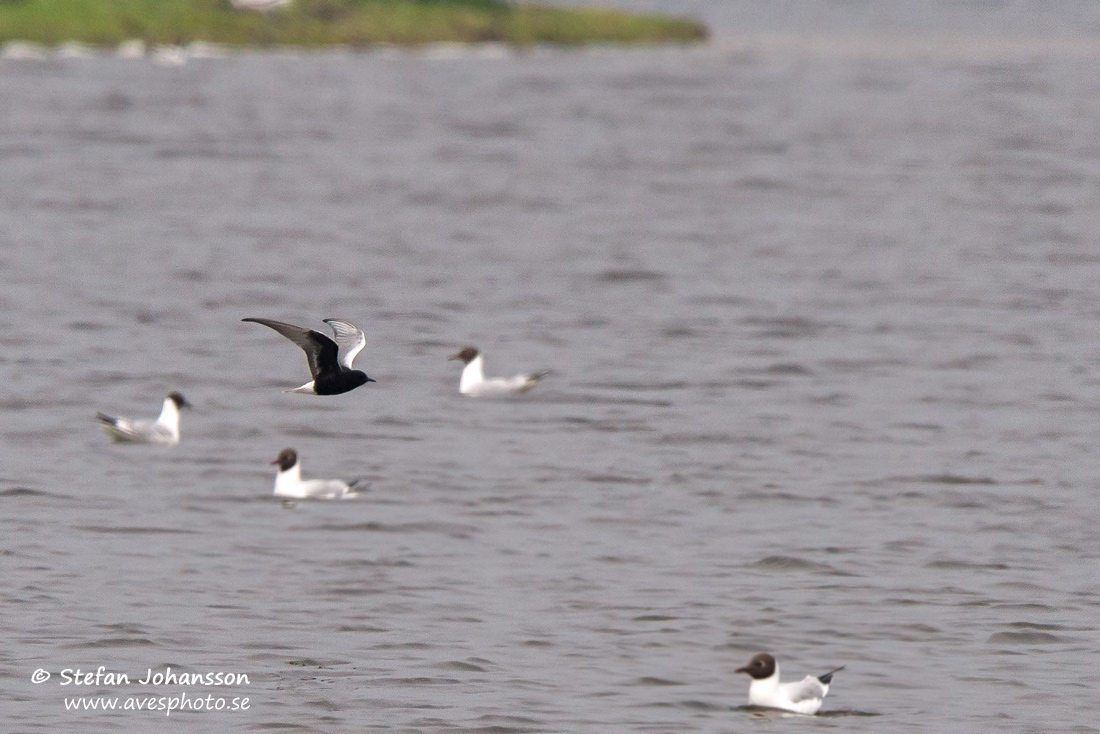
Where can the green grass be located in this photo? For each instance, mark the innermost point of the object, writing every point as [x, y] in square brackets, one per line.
[328, 22]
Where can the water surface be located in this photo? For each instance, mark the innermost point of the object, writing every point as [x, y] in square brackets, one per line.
[826, 377]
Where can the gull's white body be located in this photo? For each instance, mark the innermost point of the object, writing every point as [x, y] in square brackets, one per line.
[801, 697]
[289, 483]
[475, 384]
[164, 431]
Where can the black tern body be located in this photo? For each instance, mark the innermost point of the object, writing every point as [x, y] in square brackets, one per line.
[329, 361]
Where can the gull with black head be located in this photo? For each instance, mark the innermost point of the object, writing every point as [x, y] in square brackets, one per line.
[329, 359]
[475, 384]
[801, 697]
[164, 431]
[289, 482]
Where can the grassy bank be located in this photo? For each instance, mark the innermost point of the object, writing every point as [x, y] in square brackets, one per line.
[325, 22]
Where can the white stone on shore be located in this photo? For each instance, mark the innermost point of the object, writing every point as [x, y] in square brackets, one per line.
[23, 50]
[74, 50]
[132, 49]
[206, 50]
[261, 6]
[169, 55]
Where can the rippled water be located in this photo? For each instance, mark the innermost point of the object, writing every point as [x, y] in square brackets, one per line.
[823, 326]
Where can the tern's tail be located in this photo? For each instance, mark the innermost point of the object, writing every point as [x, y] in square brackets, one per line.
[828, 677]
[106, 420]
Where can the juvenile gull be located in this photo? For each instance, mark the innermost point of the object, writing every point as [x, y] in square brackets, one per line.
[164, 431]
[475, 384]
[329, 361]
[289, 482]
[801, 697]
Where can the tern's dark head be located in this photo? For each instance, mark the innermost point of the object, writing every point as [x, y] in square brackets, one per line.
[355, 378]
[286, 459]
[179, 400]
[467, 355]
[760, 667]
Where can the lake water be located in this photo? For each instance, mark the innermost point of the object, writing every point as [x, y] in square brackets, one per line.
[822, 314]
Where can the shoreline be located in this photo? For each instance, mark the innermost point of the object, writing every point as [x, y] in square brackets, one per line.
[134, 49]
[871, 46]
[359, 24]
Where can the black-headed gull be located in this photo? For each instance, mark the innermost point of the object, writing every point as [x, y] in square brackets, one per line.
[164, 431]
[801, 697]
[329, 361]
[475, 384]
[289, 482]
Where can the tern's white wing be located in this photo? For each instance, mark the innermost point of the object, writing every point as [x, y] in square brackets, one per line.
[807, 689]
[349, 339]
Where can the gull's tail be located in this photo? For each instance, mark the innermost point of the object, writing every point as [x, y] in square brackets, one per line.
[828, 677]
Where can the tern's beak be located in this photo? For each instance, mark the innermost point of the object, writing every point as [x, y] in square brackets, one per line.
[457, 355]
